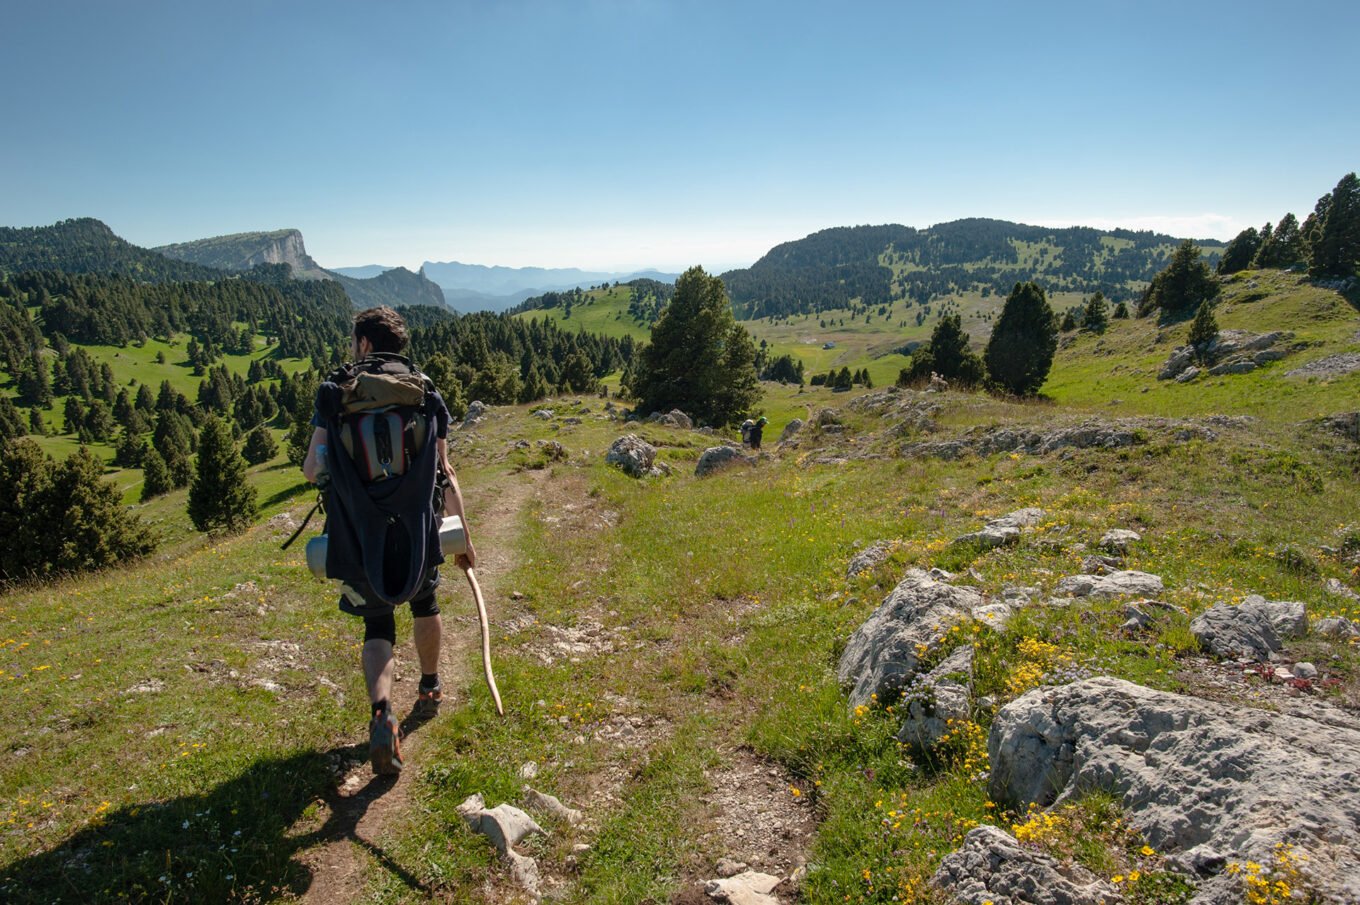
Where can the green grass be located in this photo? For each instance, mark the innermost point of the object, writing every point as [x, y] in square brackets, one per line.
[719, 608]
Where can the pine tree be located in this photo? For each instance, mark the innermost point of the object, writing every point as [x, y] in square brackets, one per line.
[1203, 331]
[11, 422]
[299, 438]
[1240, 251]
[1336, 251]
[1024, 341]
[155, 476]
[130, 451]
[1284, 247]
[1095, 318]
[1183, 285]
[260, 446]
[220, 498]
[1069, 322]
[699, 359]
[1121, 311]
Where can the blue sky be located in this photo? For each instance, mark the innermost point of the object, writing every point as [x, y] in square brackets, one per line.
[619, 135]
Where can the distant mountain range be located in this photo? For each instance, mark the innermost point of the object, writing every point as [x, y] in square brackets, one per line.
[477, 287]
[397, 287]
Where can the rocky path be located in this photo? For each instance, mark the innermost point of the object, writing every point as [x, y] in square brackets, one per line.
[338, 845]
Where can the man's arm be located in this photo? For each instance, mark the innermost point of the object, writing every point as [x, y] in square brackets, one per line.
[312, 466]
[453, 503]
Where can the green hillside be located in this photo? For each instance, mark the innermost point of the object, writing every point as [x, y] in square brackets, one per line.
[666, 647]
[870, 267]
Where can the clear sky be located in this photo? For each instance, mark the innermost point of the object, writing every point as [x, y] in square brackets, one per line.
[621, 134]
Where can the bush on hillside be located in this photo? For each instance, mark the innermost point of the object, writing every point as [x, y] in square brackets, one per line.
[62, 517]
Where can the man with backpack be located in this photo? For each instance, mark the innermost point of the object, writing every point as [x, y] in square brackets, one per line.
[379, 451]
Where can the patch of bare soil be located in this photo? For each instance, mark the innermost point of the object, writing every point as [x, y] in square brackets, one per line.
[1265, 686]
[754, 819]
[339, 843]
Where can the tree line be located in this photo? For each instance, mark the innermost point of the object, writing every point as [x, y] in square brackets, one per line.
[839, 267]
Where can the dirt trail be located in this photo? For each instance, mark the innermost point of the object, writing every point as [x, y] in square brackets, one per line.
[338, 844]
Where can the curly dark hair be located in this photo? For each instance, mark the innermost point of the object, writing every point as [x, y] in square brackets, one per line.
[383, 327]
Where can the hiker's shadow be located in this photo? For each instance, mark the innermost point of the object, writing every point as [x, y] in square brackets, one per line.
[239, 841]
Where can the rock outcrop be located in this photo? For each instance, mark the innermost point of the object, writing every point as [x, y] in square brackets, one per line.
[1204, 785]
[1252, 630]
[632, 454]
[716, 458]
[992, 868]
[885, 653]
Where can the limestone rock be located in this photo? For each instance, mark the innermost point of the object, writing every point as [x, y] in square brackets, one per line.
[1020, 518]
[1337, 628]
[989, 537]
[1117, 540]
[542, 801]
[476, 413]
[524, 871]
[673, 418]
[504, 824]
[1252, 629]
[727, 867]
[941, 695]
[633, 454]
[884, 653]
[1204, 784]
[1289, 618]
[718, 457]
[1116, 584]
[871, 557]
[749, 888]
[992, 867]
[790, 429]
[1336, 588]
[543, 414]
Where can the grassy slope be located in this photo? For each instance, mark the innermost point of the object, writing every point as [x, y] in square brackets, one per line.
[726, 604]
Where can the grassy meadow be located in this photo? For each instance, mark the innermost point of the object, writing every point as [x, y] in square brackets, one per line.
[175, 728]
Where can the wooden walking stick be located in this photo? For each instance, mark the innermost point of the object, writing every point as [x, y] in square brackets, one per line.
[486, 639]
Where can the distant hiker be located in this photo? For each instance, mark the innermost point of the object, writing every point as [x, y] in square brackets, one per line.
[757, 429]
[746, 427]
[372, 456]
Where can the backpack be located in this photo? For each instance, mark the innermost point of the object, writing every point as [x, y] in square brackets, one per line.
[381, 523]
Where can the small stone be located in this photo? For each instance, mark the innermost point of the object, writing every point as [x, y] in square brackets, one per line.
[1305, 670]
[729, 868]
[528, 770]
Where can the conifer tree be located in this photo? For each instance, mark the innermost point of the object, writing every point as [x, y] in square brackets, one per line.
[260, 446]
[1240, 251]
[1336, 250]
[699, 359]
[1095, 318]
[1203, 331]
[220, 498]
[1024, 341]
[1284, 248]
[11, 422]
[130, 451]
[36, 424]
[1182, 286]
[155, 476]
[299, 437]
[1121, 311]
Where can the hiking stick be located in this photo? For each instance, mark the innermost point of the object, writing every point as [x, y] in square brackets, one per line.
[486, 640]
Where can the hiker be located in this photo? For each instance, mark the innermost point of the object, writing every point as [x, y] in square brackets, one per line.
[363, 542]
[757, 428]
[746, 427]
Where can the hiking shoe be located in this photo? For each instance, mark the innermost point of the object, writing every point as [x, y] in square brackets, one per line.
[428, 700]
[384, 744]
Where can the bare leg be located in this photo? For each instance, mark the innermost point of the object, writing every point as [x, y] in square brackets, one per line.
[377, 657]
[429, 636]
